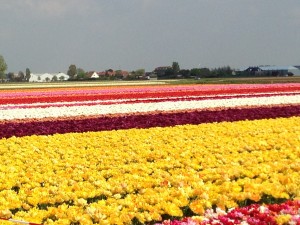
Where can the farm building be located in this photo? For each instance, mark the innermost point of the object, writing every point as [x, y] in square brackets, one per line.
[274, 70]
[47, 77]
[281, 70]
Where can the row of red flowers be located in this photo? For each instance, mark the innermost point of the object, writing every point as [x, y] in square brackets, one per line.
[141, 100]
[126, 121]
[118, 94]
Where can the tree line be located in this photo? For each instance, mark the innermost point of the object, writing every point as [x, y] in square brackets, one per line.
[174, 71]
[166, 72]
[79, 74]
[20, 77]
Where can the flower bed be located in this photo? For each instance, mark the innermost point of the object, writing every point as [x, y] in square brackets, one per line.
[285, 213]
[127, 155]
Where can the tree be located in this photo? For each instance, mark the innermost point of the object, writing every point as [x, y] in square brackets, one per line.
[47, 79]
[185, 73]
[196, 72]
[222, 71]
[21, 76]
[81, 74]
[169, 73]
[140, 72]
[204, 72]
[119, 74]
[27, 74]
[72, 71]
[54, 78]
[11, 76]
[131, 76]
[61, 78]
[175, 67]
[3, 68]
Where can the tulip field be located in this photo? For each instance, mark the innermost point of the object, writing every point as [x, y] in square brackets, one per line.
[151, 154]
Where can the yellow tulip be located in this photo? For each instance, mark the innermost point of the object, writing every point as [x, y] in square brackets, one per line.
[283, 219]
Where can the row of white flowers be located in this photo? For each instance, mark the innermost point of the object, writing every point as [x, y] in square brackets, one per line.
[64, 111]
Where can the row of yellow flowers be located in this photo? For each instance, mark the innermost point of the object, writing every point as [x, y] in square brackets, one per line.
[114, 177]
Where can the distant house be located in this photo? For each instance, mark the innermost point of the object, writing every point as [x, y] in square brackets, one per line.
[107, 73]
[125, 73]
[101, 74]
[94, 75]
[110, 72]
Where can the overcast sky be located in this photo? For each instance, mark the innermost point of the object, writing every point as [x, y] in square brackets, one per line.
[49, 35]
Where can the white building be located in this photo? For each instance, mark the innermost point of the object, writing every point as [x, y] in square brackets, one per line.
[62, 76]
[281, 70]
[48, 77]
[95, 75]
